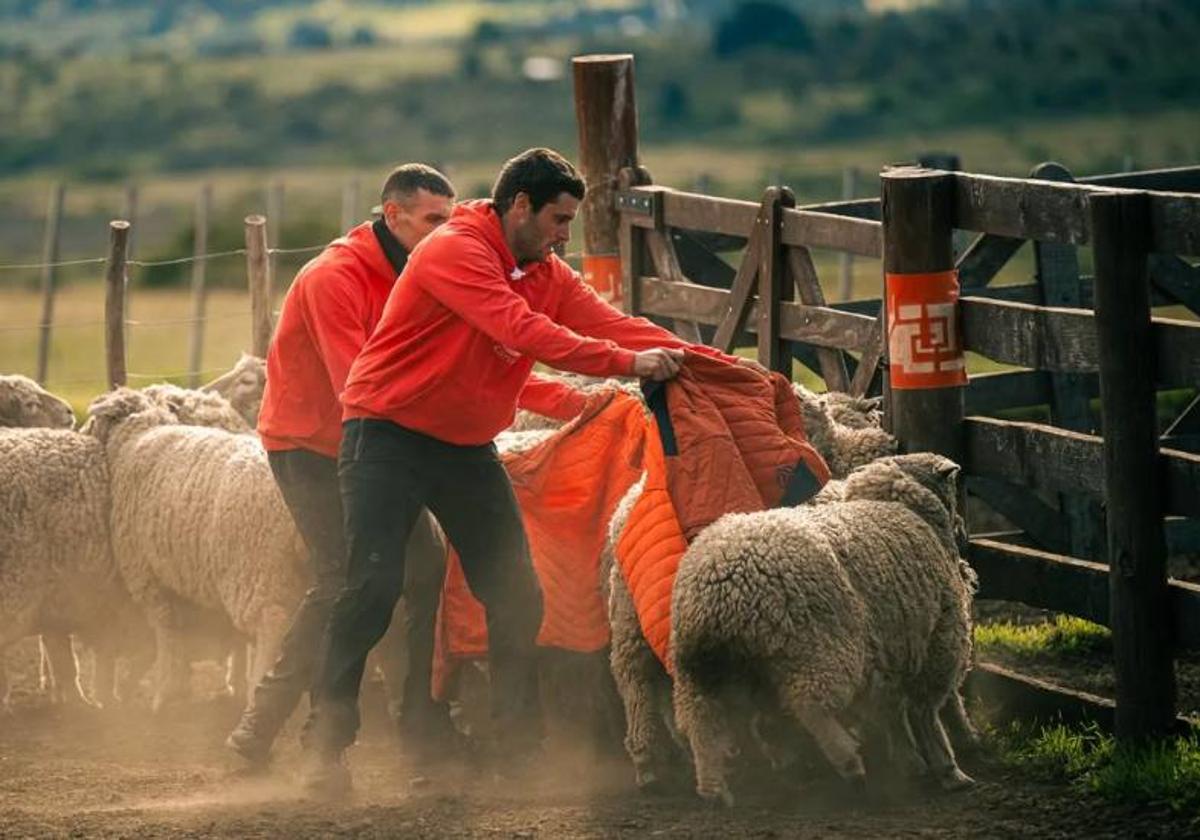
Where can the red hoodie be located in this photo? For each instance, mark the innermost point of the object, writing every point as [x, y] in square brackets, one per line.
[328, 313]
[463, 328]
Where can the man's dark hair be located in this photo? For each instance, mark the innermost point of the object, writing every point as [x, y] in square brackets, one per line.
[404, 181]
[542, 174]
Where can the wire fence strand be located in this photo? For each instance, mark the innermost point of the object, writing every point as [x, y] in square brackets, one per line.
[59, 264]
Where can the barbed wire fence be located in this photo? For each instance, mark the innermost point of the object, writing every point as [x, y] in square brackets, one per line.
[260, 271]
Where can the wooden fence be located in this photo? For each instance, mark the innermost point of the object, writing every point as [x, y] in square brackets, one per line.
[1072, 337]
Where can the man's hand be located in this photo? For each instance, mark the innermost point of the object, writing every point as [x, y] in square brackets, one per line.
[658, 364]
[753, 364]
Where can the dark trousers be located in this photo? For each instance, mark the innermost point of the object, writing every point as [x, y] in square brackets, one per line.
[309, 485]
[387, 475]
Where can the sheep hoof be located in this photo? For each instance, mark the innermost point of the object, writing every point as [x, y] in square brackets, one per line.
[648, 781]
[720, 796]
[956, 780]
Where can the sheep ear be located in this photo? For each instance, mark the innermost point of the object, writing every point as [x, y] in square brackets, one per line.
[873, 403]
[948, 470]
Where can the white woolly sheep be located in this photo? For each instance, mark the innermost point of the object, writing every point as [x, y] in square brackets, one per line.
[57, 574]
[852, 611]
[197, 518]
[650, 738]
[24, 403]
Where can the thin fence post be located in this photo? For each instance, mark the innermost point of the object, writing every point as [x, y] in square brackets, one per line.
[259, 279]
[275, 219]
[1139, 605]
[350, 200]
[114, 302]
[130, 214]
[926, 369]
[774, 353]
[54, 213]
[199, 290]
[846, 260]
[606, 115]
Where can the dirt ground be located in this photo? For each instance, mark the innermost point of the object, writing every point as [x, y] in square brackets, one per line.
[127, 773]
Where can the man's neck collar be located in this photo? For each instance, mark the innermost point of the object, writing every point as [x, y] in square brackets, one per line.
[395, 252]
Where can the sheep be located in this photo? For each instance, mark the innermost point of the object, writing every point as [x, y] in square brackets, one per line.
[642, 681]
[197, 518]
[243, 387]
[527, 420]
[852, 611]
[24, 403]
[57, 573]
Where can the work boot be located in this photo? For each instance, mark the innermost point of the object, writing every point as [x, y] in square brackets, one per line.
[252, 746]
[325, 776]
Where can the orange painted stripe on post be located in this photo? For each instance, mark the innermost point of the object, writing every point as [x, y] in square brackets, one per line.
[603, 273]
[924, 340]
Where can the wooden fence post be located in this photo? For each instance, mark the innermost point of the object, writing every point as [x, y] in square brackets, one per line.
[350, 201]
[925, 369]
[114, 302]
[774, 353]
[1139, 607]
[606, 114]
[846, 259]
[129, 214]
[54, 213]
[259, 277]
[199, 292]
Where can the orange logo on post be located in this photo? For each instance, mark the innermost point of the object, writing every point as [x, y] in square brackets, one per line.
[924, 344]
[603, 273]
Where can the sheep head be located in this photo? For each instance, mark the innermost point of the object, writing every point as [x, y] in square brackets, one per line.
[243, 387]
[25, 403]
[197, 408]
[924, 482]
[123, 409]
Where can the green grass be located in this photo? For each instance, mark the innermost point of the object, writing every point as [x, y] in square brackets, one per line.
[1065, 635]
[1164, 773]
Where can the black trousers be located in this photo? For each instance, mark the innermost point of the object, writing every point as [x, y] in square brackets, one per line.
[309, 485]
[387, 475]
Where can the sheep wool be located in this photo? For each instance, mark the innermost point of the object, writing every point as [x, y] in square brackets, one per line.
[853, 610]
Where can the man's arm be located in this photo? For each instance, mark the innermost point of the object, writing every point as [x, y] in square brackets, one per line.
[587, 313]
[550, 398]
[337, 321]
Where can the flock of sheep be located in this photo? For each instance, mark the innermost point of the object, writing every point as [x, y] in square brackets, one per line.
[847, 619]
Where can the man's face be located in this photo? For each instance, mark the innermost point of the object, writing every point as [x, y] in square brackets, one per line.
[537, 234]
[414, 217]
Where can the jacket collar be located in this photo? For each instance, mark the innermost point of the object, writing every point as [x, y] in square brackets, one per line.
[396, 253]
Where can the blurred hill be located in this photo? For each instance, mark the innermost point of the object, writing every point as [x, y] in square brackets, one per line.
[109, 88]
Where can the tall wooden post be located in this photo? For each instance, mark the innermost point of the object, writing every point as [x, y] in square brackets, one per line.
[606, 113]
[130, 214]
[774, 352]
[926, 372]
[1138, 601]
[350, 201]
[114, 302]
[259, 278]
[49, 278]
[199, 292]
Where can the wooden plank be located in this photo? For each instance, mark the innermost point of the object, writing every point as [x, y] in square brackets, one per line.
[1022, 208]
[868, 363]
[741, 291]
[1068, 585]
[1188, 421]
[1177, 347]
[983, 259]
[114, 302]
[1034, 455]
[1182, 476]
[1182, 179]
[1043, 523]
[630, 242]
[1175, 220]
[804, 275]
[991, 392]
[662, 254]
[1008, 696]
[1176, 279]
[821, 326]
[773, 352]
[859, 208]
[737, 218]
[1046, 338]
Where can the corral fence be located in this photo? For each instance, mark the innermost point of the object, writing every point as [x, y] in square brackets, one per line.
[1093, 517]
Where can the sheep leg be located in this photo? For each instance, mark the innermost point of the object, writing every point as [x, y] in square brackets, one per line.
[58, 659]
[237, 666]
[644, 687]
[702, 720]
[268, 636]
[835, 743]
[46, 682]
[170, 666]
[931, 739]
[902, 751]
[957, 723]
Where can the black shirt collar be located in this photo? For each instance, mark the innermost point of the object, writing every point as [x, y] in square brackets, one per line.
[396, 253]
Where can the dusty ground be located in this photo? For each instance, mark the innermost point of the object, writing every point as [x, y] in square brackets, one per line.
[125, 773]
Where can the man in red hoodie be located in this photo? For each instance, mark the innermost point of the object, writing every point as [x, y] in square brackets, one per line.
[481, 299]
[328, 312]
